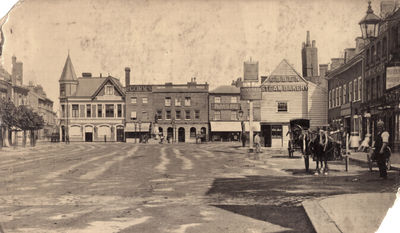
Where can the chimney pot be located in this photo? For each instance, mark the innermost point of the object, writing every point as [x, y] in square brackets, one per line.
[127, 76]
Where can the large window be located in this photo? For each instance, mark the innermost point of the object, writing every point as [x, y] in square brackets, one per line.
[145, 100]
[350, 92]
[217, 115]
[88, 110]
[109, 110]
[234, 115]
[168, 101]
[359, 88]
[133, 100]
[75, 110]
[133, 115]
[159, 114]
[217, 99]
[276, 131]
[345, 94]
[187, 115]
[197, 114]
[119, 110]
[109, 90]
[187, 101]
[282, 107]
[168, 114]
[99, 110]
[355, 87]
[178, 114]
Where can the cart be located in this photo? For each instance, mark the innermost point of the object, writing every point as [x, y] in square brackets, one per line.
[373, 161]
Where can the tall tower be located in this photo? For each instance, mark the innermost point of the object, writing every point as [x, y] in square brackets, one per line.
[309, 57]
[68, 81]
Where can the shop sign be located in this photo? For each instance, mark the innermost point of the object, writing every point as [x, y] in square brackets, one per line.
[225, 106]
[392, 76]
[273, 79]
[139, 88]
[275, 88]
[250, 93]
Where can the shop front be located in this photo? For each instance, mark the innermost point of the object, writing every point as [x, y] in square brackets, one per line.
[225, 130]
[137, 131]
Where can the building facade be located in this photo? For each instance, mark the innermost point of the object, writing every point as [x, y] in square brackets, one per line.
[229, 116]
[92, 108]
[284, 97]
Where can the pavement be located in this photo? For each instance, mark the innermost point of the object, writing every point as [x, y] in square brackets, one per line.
[362, 212]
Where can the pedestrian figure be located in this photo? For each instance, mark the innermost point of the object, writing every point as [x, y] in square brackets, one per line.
[67, 139]
[244, 139]
[257, 142]
[381, 142]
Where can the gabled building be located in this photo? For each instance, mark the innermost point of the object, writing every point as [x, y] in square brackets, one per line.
[92, 108]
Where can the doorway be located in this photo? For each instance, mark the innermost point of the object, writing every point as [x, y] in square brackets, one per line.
[88, 137]
[181, 134]
[266, 133]
[120, 134]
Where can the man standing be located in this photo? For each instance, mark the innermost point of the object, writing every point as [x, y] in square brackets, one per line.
[244, 138]
[381, 142]
[257, 143]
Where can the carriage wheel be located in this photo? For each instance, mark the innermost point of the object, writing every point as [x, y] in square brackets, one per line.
[307, 162]
[369, 162]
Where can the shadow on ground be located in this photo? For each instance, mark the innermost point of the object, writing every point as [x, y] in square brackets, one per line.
[277, 200]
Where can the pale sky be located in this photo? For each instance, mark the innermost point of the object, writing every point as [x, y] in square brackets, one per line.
[172, 41]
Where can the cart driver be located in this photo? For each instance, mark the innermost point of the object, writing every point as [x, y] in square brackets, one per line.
[380, 143]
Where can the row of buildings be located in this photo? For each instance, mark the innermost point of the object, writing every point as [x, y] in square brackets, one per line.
[33, 96]
[363, 87]
[101, 108]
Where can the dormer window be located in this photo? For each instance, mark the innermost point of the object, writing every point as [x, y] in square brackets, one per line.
[109, 90]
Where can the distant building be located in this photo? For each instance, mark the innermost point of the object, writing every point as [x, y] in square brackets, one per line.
[92, 108]
[38, 101]
[309, 58]
[225, 108]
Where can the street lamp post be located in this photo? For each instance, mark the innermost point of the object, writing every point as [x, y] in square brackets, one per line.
[369, 24]
[242, 125]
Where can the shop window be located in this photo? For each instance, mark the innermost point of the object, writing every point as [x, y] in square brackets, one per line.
[282, 107]
[276, 131]
[99, 110]
[197, 114]
[75, 110]
[109, 110]
[168, 101]
[217, 99]
[88, 110]
[217, 115]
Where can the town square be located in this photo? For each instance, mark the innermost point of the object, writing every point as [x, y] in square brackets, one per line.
[200, 116]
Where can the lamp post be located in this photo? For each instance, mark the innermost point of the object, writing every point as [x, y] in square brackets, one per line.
[140, 131]
[242, 125]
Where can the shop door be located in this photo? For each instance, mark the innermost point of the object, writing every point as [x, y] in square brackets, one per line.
[88, 137]
[120, 134]
[266, 133]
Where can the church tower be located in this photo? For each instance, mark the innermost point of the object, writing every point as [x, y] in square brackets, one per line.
[309, 57]
[68, 81]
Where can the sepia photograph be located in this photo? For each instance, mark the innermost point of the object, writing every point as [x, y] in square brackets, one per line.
[199, 116]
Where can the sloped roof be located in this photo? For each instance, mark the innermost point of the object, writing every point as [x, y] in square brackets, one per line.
[68, 73]
[114, 81]
[87, 87]
[226, 89]
[284, 69]
[4, 73]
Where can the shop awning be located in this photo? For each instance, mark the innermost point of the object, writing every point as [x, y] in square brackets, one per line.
[225, 126]
[143, 127]
[255, 125]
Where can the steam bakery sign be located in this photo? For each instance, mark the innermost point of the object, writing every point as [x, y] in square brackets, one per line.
[284, 83]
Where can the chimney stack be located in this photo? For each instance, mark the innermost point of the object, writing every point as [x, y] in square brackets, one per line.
[323, 68]
[360, 43]
[308, 38]
[313, 44]
[127, 76]
[349, 54]
[336, 62]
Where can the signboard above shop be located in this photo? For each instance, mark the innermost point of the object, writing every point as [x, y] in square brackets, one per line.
[392, 76]
[250, 93]
[139, 88]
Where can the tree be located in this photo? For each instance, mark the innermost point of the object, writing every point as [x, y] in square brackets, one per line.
[23, 120]
[8, 119]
